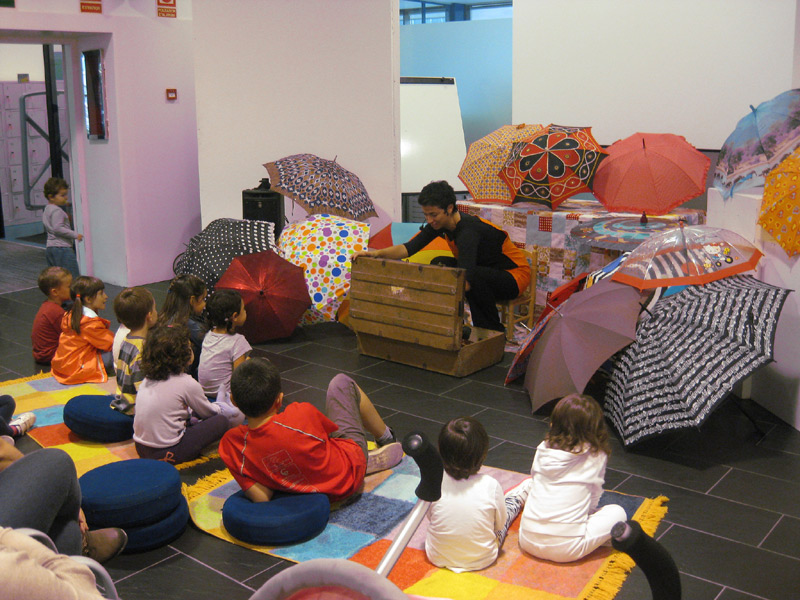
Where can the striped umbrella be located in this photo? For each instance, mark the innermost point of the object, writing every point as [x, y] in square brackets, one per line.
[689, 353]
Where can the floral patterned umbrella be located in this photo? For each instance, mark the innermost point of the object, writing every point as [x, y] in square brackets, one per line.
[484, 159]
[553, 165]
[780, 208]
[322, 245]
[321, 186]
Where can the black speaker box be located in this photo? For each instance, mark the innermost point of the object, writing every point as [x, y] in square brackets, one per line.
[263, 204]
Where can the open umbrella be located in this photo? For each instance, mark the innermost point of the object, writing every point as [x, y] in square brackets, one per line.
[620, 233]
[650, 172]
[687, 256]
[321, 186]
[690, 353]
[274, 293]
[519, 363]
[485, 158]
[579, 337]
[761, 139]
[554, 164]
[322, 245]
[780, 208]
[210, 252]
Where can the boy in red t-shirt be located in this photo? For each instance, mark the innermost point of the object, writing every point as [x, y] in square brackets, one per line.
[301, 449]
[54, 283]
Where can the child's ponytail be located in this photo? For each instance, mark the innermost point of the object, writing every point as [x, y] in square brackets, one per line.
[83, 288]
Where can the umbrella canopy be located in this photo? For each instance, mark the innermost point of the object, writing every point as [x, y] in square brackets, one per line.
[580, 335]
[650, 172]
[274, 293]
[762, 139]
[687, 256]
[690, 353]
[210, 252]
[780, 208]
[620, 233]
[520, 361]
[486, 157]
[322, 245]
[554, 164]
[321, 186]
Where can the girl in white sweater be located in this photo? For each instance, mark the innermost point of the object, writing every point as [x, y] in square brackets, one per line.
[561, 521]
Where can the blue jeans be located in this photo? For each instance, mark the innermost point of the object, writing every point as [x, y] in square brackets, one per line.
[58, 256]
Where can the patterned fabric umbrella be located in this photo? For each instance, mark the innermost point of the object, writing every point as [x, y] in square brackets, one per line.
[322, 245]
[210, 252]
[780, 208]
[650, 172]
[690, 353]
[553, 165]
[321, 186]
[761, 140]
[486, 157]
[687, 256]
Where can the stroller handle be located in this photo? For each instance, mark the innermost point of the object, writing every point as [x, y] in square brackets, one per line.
[417, 446]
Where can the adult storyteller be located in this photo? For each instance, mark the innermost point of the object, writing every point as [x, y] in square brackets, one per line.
[496, 270]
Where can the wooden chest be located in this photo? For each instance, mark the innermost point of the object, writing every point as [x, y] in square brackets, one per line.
[414, 314]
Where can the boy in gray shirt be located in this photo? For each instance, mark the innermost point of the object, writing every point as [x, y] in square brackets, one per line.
[60, 236]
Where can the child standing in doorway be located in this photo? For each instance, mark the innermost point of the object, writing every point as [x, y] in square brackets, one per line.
[60, 236]
[561, 521]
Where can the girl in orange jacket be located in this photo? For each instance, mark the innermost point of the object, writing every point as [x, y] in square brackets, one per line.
[84, 336]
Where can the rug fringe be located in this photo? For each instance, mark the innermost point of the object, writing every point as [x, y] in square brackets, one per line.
[26, 379]
[607, 582]
[197, 461]
[206, 484]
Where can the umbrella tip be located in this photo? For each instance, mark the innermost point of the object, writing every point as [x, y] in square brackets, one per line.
[752, 108]
[643, 220]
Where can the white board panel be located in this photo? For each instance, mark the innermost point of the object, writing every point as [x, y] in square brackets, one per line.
[432, 143]
[687, 67]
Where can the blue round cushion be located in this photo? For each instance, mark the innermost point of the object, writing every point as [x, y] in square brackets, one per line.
[92, 418]
[160, 533]
[129, 493]
[286, 519]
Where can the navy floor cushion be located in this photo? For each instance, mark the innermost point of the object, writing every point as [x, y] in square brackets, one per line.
[130, 493]
[286, 519]
[160, 533]
[92, 418]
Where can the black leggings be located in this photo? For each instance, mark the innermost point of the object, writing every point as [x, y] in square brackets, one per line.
[195, 438]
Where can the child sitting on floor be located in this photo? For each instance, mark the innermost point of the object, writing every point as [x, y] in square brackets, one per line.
[301, 449]
[84, 348]
[174, 420]
[186, 300]
[136, 309]
[223, 348]
[469, 523]
[10, 426]
[561, 520]
[54, 283]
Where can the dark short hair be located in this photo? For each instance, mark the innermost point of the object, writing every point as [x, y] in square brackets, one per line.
[54, 185]
[577, 423]
[166, 352]
[255, 385]
[438, 193]
[132, 305]
[221, 306]
[51, 278]
[463, 444]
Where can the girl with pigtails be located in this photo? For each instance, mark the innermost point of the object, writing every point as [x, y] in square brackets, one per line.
[84, 347]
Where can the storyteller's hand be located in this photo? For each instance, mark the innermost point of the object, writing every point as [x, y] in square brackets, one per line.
[367, 253]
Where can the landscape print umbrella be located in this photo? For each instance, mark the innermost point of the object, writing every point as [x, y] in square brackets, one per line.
[651, 173]
[780, 207]
[323, 245]
[620, 233]
[579, 337]
[687, 256]
[689, 353]
[274, 293]
[554, 164]
[321, 186]
[761, 139]
[486, 157]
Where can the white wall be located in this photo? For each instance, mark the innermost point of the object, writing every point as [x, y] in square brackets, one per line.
[136, 193]
[280, 77]
[621, 66]
[21, 58]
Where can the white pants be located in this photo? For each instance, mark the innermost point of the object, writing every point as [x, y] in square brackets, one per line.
[568, 548]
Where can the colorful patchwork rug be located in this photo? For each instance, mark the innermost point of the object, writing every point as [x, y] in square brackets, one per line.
[363, 531]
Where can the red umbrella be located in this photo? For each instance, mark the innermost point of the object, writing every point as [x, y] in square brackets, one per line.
[274, 293]
[552, 165]
[650, 172]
